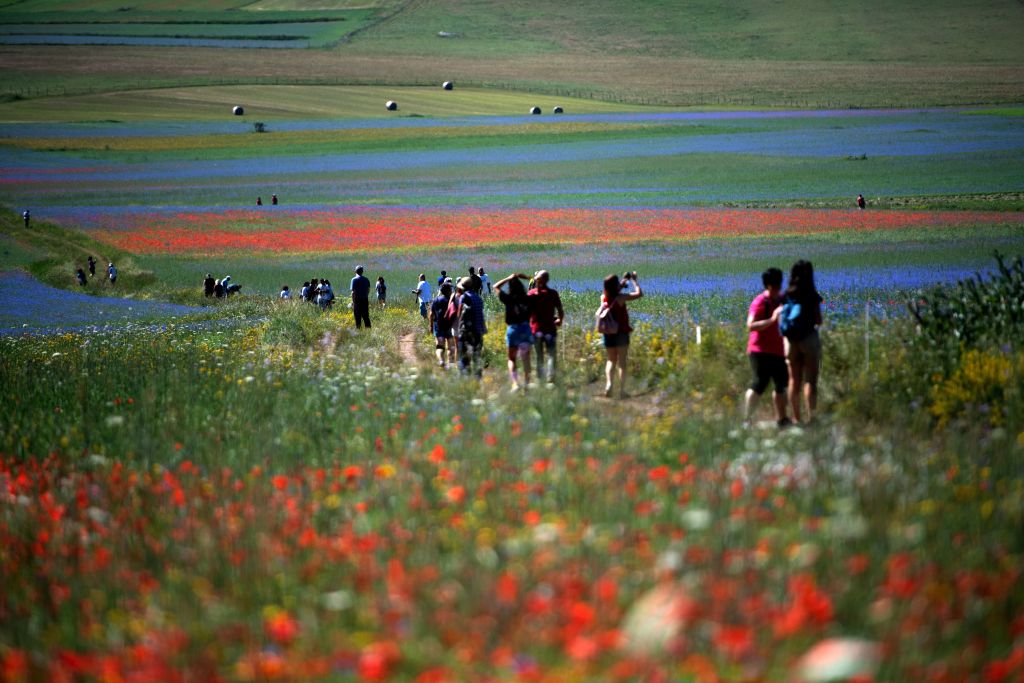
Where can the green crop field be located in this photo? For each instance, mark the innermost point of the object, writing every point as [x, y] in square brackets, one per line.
[794, 54]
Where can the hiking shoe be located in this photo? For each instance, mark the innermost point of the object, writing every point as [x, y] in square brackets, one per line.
[784, 422]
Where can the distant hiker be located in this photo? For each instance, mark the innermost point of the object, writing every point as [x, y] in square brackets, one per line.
[112, 274]
[472, 329]
[259, 201]
[441, 277]
[208, 285]
[26, 216]
[273, 199]
[360, 289]
[92, 266]
[799, 319]
[286, 293]
[616, 344]
[325, 294]
[422, 293]
[486, 290]
[304, 292]
[860, 201]
[218, 290]
[546, 315]
[518, 337]
[441, 325]
[475, 282]
[382, 291]
[81, 276]
[765, 348]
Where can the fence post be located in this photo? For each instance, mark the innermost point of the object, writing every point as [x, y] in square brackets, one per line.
[867, 336]
[698, 335]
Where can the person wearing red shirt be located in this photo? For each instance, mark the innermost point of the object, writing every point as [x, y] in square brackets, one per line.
[546, 315]
[765, 348]
[616, 345]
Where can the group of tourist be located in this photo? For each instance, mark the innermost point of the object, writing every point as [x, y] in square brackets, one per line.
[783, 345]
[90, 264]
[219, 288]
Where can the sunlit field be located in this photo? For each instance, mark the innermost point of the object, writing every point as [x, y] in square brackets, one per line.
[249, 488]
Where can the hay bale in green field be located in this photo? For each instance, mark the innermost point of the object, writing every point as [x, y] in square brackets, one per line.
[391, 105]
[535, 111]
[557, 110]
[447, 85]
[237, 110]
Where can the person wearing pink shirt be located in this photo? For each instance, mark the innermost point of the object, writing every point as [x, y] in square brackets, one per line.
[765, 348]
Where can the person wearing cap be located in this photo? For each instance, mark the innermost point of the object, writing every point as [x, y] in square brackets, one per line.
[472, 328]
[546, 315]
[360, 288]
[422, 293]
[208, 284]
[112, 274]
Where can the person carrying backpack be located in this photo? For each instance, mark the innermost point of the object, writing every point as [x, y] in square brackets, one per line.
[472, 329]
[441, 325]
[616, 343]
[799, 318]
[518, 336]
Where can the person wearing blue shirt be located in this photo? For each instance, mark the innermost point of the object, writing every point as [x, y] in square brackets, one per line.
[360, 289]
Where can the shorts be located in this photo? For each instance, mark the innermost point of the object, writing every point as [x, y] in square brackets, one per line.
[546, 339]
[442, 331]
[617, 340]
[768, 367]
[518, 335]
[806, 354]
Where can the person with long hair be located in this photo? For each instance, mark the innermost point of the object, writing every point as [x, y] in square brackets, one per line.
[802, 343]
[616, 345]
[517, 318]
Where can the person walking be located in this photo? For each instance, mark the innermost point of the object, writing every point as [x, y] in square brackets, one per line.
[360, 288]
[546, 315]
[614, 298]
[26, 216]
[286, 294]
[273, 199]
[475, 282]
[799, 320]
[422, 292]
[486, 289]
[92, 266]
[517, 333]
[112, 274]
[208, 285]
[80, 274]
[472, 328]
[765, 348]
[441, 277]
[382, 291]
[860, 202]
[441, 325]
[325, 296]
[259, 201]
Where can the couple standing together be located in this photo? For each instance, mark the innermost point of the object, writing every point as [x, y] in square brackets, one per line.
[784, 346]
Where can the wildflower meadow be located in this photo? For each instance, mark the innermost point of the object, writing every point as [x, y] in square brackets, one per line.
[251, 489]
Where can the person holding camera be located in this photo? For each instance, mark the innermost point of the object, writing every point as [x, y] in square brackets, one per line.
[616, 294]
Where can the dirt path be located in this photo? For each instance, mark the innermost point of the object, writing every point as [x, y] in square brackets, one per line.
[407, 348]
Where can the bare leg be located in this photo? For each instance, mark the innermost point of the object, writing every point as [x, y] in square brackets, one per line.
[609, 369]
[780, 406]
[796, 380]
[623, 370]
[749, 402]
[811, 393]
[524, 355]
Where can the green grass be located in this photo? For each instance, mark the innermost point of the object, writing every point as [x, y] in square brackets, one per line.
[273, 102]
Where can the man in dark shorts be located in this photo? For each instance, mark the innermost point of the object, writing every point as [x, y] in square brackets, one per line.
[765, 348]
[360, 288]
[546, 316]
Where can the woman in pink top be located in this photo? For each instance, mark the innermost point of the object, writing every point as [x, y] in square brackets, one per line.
[765, 348]
[617, 345]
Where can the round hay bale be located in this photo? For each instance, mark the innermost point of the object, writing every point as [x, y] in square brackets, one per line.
[391, 105]
[557, 110]
[237, 111]
[535, 110]
[447, 85]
